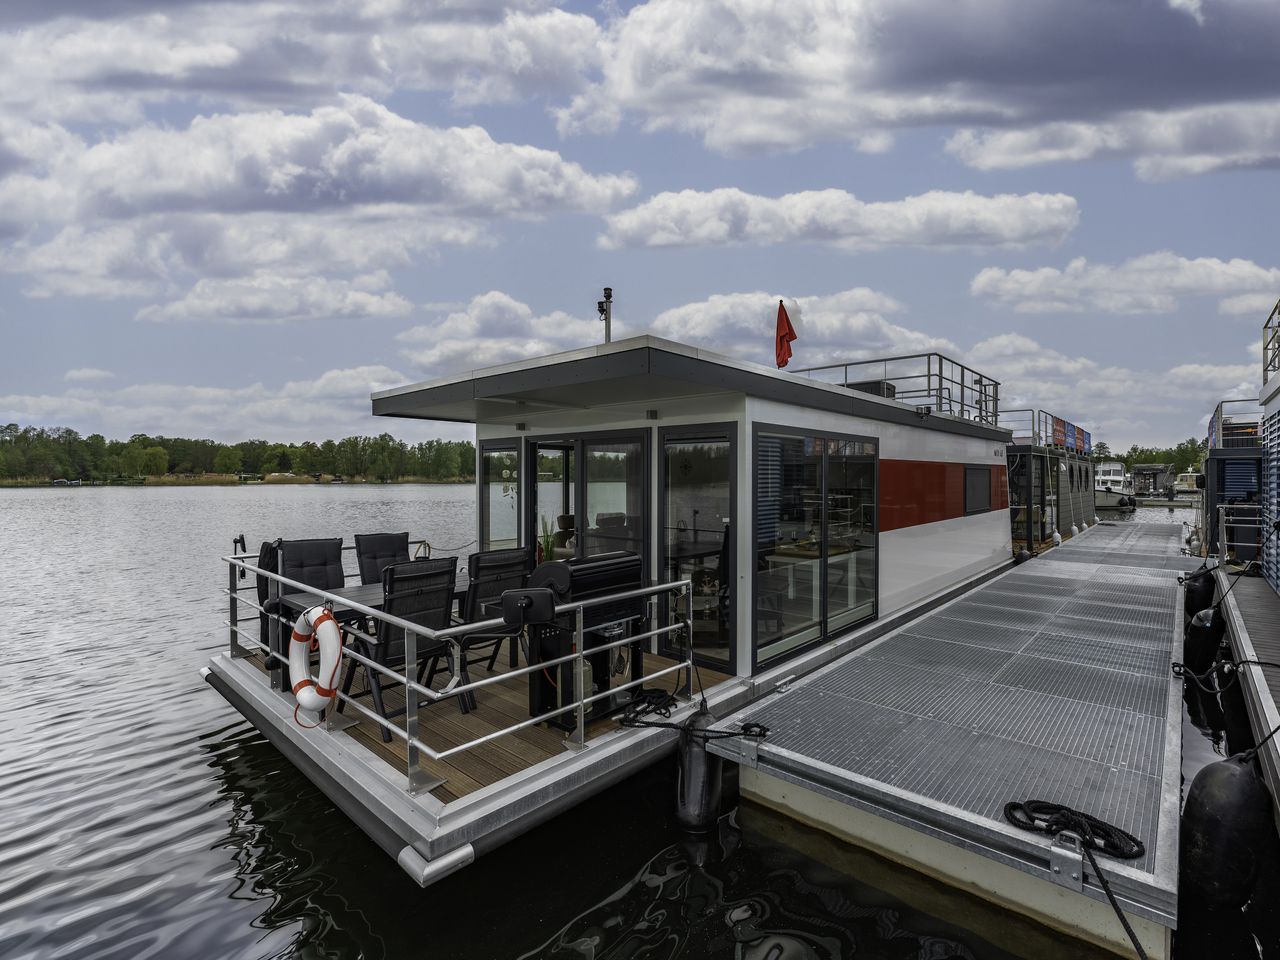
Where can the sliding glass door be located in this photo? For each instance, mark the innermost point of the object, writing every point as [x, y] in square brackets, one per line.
[815, 538]
[698, 534]
[499, 497]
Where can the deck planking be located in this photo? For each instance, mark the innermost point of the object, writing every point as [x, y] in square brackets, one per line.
[442, 725]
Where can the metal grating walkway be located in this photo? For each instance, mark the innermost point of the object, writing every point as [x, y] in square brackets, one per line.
[1051, 681]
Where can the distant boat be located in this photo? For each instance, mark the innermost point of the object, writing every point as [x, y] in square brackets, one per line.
[1188, 482]
[1112, 487]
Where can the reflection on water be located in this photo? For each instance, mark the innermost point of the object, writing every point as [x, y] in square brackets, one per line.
[749, 899]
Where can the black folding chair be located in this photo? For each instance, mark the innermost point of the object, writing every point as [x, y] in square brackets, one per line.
[420, 591]
[490, 573]
[375, 551]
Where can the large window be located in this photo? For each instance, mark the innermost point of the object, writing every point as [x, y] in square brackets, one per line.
[499, 498]
[815, 537]
[615, 496]
[698, 540]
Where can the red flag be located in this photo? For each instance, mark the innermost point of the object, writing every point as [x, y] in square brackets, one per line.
[786, 333]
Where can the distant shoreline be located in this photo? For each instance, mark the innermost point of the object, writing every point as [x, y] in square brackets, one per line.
[225, 480]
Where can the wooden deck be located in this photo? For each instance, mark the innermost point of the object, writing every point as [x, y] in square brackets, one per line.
[443, 725]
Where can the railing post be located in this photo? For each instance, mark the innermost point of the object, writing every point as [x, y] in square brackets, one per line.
[420, 780]
[275, 634]
[579, 735]
[686, 604]
[236, 651]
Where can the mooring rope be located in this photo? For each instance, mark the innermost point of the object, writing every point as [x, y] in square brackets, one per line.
[1041, 816]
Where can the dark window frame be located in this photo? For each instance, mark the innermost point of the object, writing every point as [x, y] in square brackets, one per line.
[970, 469]
[761, 427]
[715, 432]
[499, 445]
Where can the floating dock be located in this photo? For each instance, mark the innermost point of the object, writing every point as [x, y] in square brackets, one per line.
[1050, 682]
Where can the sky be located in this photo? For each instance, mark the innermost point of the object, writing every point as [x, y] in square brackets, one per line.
[235, 220]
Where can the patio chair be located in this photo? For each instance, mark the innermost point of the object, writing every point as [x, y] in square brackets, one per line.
[420, 591]
[491, 572]
[374, 551]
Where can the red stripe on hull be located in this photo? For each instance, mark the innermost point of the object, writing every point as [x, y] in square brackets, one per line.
[913, 492]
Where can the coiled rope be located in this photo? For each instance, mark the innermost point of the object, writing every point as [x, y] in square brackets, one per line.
[1041, 816]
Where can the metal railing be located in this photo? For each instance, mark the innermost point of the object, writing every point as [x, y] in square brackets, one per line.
[919, 379]
[1271, 344]
[1037, 428]
[1235, 423]
[243, 643]
[1241, 532]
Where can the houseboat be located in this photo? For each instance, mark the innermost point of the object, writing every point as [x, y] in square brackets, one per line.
[1233, 481]
[1051, 482]
[707, 527]
[1112, 486]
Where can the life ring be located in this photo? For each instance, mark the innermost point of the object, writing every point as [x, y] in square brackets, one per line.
[319, 626]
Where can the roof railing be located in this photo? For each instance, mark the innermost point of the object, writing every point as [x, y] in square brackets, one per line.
[1235, 423]
[918, 379]
[1039, 428]
[1271, 344]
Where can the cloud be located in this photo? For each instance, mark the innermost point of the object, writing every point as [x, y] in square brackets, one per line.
[1165, 144]
[334, 403]
[848, 325]
[1250, 304]
[493, 328]
[233, 199]
[351, 154]
[937, 218]
[111, 60]
[1099, 395]
[84, 374]
[267, 298]
[1147, 284]
[1182, 87]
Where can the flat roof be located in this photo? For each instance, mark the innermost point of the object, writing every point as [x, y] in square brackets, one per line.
[633, 374]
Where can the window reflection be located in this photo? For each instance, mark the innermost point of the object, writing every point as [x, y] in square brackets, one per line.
[698, 538]
[500, 493]
[815, 538]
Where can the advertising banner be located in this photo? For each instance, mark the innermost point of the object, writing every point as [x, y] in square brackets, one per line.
[1071, 436]
[1059, 432]
[1088, 443]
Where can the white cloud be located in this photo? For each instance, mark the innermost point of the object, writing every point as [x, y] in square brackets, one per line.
[348, 189]
[1165, 144]
[493, 328]
[936, 218]
[1181, 87]
[347, 155]
[1258, 305]
[267, 298]
[96, 66]
[1147, 284]
[334, 403]
[84, 374]
[848, 325]
[1100, 396]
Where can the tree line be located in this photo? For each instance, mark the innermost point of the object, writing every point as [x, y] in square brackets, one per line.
[41, 453]
[1184, 456]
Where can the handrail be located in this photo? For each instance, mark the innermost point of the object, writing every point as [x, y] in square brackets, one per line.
[1245, 516]
[242, 644]
[924, 379]
[1271, 344]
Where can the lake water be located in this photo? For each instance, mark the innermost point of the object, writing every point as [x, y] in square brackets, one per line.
[142, 817]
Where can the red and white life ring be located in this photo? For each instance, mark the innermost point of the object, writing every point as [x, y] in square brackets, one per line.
[317, 623]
